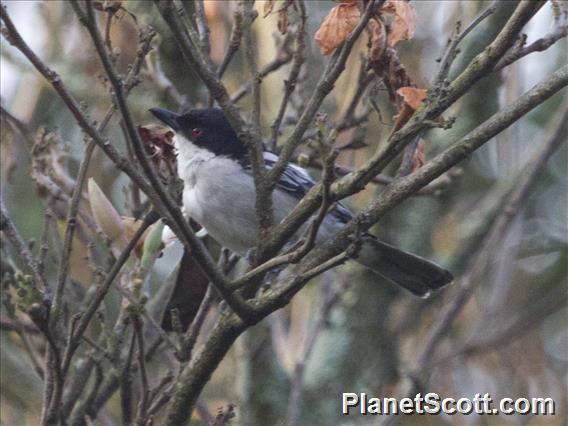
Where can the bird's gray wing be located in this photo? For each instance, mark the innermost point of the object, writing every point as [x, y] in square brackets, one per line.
[297, 181]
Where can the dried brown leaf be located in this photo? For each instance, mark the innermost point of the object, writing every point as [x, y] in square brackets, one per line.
[283, 21]
[268, 8]
[337, 26]
[404, 23]
[402, 117]
[158, 141]
[419, 157]
[377, 39]
[412, 96]
[391, 71]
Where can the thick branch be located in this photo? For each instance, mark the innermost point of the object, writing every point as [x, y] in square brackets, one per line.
[354, 182]
[404, 187]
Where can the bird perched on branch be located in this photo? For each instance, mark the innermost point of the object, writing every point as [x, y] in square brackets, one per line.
[219, 193]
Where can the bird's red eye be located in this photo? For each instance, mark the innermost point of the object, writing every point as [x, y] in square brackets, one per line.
[196, 132]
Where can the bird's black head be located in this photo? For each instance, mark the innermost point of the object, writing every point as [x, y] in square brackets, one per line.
[206, 128]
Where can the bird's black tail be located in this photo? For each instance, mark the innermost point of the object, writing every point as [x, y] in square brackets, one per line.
[417, 275]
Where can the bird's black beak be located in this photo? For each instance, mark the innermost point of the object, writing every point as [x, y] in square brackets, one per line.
[168, 117]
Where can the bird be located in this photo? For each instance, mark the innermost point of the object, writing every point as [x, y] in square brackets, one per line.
[219, 194]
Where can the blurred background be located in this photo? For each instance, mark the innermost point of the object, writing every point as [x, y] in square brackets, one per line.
[347, 331]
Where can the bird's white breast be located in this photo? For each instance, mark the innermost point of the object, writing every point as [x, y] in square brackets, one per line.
[218, 195]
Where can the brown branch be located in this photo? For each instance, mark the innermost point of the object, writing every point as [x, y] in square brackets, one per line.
[101, 292]
[190, 337]
[307, 241]
[282, 58]
[422, 119]
[195, 375]
[71, 223]
[323, 88]
[142, 410]
[126, 383]
[298, 58]
[404, 187]
[44, 246]
[452, 50]
[234, 45]
[202, 26]
[263, 202]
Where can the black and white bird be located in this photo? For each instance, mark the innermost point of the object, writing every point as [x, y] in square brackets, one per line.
[219, 194]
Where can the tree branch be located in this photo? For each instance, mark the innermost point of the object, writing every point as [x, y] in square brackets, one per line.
[8, 228]
[162, 201]
[539, 45]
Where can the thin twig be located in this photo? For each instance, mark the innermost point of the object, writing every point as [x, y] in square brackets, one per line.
[234, 43]
[452, 50]
[34, 357]
[44, 245]
[282, 58]
[102, 291]
[307, 241]
[142, 411]
[56, 309]
[323, 88]
[404, 187]
[330, 298]
[298, 60]
[255, 149]
[126, 383]
[363, 80]
[202, 26]
[190, 337]
[499, 228]
[160, 331]
[8, 228]
[539, 45]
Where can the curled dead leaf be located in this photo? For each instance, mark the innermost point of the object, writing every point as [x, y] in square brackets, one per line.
[283, 21]
[404, 23]
[337, 26]
[377, 39]
[158, 142]
[419, 157]
[268, 7]
[412, 96]
[402, 117]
